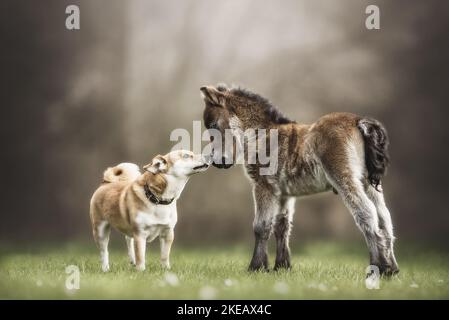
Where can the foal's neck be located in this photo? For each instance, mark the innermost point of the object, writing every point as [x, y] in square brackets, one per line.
[250, 117]
[258, 117]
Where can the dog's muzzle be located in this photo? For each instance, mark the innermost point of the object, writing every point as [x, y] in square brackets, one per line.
[203, 166]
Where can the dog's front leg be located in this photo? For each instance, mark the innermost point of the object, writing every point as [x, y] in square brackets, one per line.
[267, 206]
[131, 252]
[140, 243]
[166, 239]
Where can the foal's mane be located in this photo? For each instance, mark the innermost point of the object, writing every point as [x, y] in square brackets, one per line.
[271, 111]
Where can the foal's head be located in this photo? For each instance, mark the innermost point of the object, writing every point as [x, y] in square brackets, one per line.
[217, 117]
[228, 109]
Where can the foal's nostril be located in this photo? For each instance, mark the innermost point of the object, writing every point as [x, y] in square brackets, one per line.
[223, 160]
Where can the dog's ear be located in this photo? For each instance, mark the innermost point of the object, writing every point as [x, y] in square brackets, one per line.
[157, 165]
[213, 95]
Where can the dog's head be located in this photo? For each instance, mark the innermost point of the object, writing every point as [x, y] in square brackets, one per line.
[179, 163]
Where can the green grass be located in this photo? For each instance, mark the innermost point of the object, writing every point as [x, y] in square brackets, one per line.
[320, 271]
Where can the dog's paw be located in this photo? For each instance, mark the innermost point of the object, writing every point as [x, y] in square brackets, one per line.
[140, 267]
[105, 267]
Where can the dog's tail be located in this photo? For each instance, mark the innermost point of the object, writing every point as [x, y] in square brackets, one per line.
[376, 149]
[123, 172]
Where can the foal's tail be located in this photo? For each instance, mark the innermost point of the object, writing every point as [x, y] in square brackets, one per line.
[376, 149]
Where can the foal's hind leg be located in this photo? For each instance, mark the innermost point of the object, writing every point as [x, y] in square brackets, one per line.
[344, 171]
[386, 227]
[364, 213]
[282, 227]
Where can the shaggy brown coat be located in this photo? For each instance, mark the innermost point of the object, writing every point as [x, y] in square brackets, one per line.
[341, 151]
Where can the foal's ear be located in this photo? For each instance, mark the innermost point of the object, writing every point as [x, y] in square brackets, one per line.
[157, 165]
[213, 96]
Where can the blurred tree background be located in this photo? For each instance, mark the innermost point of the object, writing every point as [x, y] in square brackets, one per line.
[75, 102]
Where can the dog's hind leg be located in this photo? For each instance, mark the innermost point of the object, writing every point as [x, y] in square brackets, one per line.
[386, 227]
[267, 206]
[101, 233]
[131, 252]
[282, 227]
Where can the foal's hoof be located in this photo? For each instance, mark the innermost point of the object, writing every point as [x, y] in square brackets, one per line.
[258, 268]
[388, 271]
[261, 269]
[285, 265]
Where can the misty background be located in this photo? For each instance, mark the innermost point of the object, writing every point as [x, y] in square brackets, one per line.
[75, 102]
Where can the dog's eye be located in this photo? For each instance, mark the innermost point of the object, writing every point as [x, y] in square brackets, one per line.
[186, 156]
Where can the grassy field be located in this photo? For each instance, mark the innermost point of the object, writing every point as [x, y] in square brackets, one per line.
[320, 271]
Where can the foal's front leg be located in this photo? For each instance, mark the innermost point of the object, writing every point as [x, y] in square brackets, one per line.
[282, 227]
[267, 206]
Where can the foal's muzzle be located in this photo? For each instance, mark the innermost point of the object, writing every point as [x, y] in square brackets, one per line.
[222, 164]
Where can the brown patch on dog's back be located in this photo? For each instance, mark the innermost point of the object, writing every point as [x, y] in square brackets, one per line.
[106, 200]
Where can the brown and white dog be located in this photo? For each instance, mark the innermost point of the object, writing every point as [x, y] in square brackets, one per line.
[142, 206]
